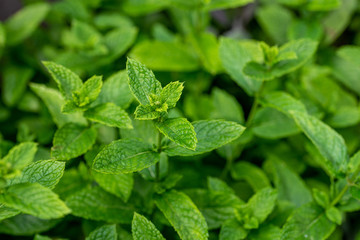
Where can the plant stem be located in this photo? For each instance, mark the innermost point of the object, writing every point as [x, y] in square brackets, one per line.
[343, 191]
[157, 165]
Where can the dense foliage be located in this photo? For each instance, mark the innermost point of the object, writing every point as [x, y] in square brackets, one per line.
[180, 119]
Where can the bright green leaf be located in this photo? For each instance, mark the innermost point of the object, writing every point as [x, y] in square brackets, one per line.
[106, 232]
[21, 155]
[142, 228]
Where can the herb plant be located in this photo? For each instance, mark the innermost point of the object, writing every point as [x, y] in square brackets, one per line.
[170, 119]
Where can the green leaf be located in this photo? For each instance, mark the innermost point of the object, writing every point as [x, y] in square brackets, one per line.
[234, 55]
[146, 112]
[40, 237]
[266, 232]
[34, 199]
[171, 93]
[226, 106]
[71, 141]
[46, 172]
[15, 80]
[289, 185]
[96, 204]
[106, 232]
[165, 56]
[183, 215]
[180, 131]
[116, 90]
[67, 80]
[118, 184]
[142, 7]
[330, 143]
[125, 156]
[254, 175]
[223, 4]
[323, 5]
[210, 134]
[275, 21]
[283, 102]
[321, 198]
[260, 205]
[22, 24]
[216, 206]
[141, 227]
[304, 50]
[142, 81]
[217, 185]
[26, 225]
[109, 114]
[308, 222]
[232, 230]
[21, 155]
[88, 92]
[54, 101]
[334, 215]
[6, 212]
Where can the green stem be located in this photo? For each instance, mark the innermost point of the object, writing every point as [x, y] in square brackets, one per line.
[157, 165]
[350, 182]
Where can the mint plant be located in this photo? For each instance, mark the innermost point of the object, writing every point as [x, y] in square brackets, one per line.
[171, 119]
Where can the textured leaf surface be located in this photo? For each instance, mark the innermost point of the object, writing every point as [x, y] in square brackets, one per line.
[308, 222]
[6, 212]
[183, 215]
[21, 155]
[171, 93]
[226, 106]
[254, 175]
[180, 131]
[109, 114]
[71, 141]
[67, 80]
[125, 156]
[142, 81]
[106, 232]
[146, 112]
[24, 225]
[283, 102]
[96, 204]
[223, 4]
[23, 23]
[34, 199]
[232, 230]
[54, 101]
[118, 184]
[211, 134]
[143, 229]
[46, 172]
[330, 144]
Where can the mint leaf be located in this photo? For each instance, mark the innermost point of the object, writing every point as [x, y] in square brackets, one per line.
[118, 184]
[210, 134]
[304, 50]
[217, 185]
[125, 156]
[226, 106]
[96, 204]
[171, 93]
[141, 227]
[88, 92]
[155, 55]
[21, 25]
[142, 81]
[71, 141]
[308, 221]
[34, 199]
[67, 80]
[334, 215]
[106, 232]
[223, 4]
[180, 131]
[6, 212]
[109, 114]
[146, 112]
[266, 232]
[250, 173]
[283, 102]
[232, 230]
[46, 172]
[183, 215]
[234, 56]
[21, 155]
[54, 101]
